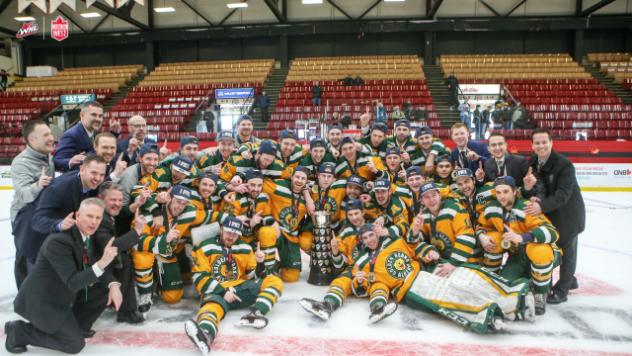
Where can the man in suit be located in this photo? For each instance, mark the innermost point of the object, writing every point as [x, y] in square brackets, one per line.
[137, 126]
[112, 196]
[58, 202]
[504, 163]
[561, 201]
[67, 289]
[467, 154]
[76, 142]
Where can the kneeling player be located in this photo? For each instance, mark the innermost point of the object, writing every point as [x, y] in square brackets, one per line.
[228, 275]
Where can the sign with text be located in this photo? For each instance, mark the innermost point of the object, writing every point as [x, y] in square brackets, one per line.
[612, 176]
[27, 29]
[480, 89]
[59, 29]
[234, 93]
[72, 100]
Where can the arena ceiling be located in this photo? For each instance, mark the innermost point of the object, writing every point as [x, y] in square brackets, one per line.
[209, 14]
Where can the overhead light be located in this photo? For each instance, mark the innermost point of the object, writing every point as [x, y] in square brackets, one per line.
[235, 5]
[90, 15]
[310, 2]
[162, 10]
[24, 18]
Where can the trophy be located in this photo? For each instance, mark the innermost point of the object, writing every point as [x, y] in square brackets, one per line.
[321, 270]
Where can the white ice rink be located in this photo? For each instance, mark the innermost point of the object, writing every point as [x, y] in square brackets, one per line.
[597, 319]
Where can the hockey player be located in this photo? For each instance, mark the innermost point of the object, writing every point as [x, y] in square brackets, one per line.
[345, 249]
[289, 203]
[212, 160]
[228, 276]
[473, 198]
[395, 166]
[354, 189]
[258, 223]
[443, 172]
[387, 210]
[375, 142]
[287, 150]
[445, 225]
[353, 161]
[210, 194]
[264, 159]
[530, 240]
[402, 140]
[428, 149]
[164, 245]
[316, 156]
[327, 196]
[334, 141]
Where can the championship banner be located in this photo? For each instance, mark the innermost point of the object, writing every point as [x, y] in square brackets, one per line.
[54, 4]
[23, 4]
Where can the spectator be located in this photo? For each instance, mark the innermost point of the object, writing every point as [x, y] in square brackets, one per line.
[486, 121]
[465, 114]
[504, 163]
[4, 78]
[408, 110]
[77, 141]
[31, 171]
[346, 120]
[57, 203]
[201, 127]
[380, 111]
[317, 93]
[453, 91]
[467, 154]
[397, 114]
[348, 80]
[561, 201]
[264, 104]
[477, 115]
[335, 118]
[122, 269]
[137, 126]
[68, 290]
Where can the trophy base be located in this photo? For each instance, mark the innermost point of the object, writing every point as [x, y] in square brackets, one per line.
[319, 279]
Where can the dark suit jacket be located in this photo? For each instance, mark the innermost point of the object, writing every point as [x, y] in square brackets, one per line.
[562, 200]
[516, 166]
[58, 278]
[74, 141]
[59, 199]
[477, 146]
[107, 230]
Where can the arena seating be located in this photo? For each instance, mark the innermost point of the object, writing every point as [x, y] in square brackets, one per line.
[35, 96]
[617, 66]
[556, 91]
[394, 80]
[168, 104]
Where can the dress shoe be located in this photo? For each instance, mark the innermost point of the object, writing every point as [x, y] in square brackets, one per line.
[574, 284]
[9, 344]
[556, 298]
[133, 317]
[88, 333]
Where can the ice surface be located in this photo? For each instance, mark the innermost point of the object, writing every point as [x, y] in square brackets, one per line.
[597, 319]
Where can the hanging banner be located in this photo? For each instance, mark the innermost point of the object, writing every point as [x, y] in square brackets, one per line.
[23, 4]
[54, 4]
[120, 3]
[89, 3]
[59, 29]
[28, 28]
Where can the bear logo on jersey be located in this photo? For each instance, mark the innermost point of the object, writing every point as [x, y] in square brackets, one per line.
[442, 243]
[222, 271]
[398, 265]
[288, 220]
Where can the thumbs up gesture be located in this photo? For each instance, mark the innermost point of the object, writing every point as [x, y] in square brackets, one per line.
[480, 172]
[120, 166]
[44, 179]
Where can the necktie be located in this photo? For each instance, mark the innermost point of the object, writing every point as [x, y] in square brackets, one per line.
[463, 159]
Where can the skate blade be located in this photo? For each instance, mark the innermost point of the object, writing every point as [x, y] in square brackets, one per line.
[389, 309]
[318, 313]
[529, 313]
[191, 329]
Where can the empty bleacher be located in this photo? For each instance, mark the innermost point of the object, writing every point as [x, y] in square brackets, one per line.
[556, 91]
[35, 96]
[169, 95]
[394, 80]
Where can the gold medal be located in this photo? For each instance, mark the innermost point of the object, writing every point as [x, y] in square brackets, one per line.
[371, 277]
[505, 244]
[293, 222]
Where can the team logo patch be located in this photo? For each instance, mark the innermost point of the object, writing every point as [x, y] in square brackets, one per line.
[442, 243]
[398, 265]
[288, 220]
[222, 272]
[331, 205]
